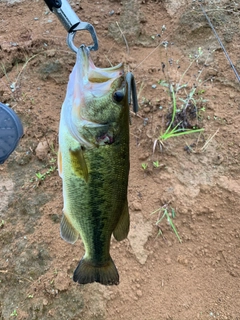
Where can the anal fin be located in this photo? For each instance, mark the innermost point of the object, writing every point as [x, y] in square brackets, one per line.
[122, 228]
[67, 231]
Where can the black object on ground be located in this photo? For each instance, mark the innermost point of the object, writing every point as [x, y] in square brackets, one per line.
[11, 130]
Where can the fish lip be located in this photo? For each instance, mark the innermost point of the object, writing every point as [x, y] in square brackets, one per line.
[83, 55]
[91, 73]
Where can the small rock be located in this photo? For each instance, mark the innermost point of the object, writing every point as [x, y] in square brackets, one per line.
[45, 302]
[51, 53]
[139, 293]
[145, 122]
[42, 150]
[61, 281]
[218, 160]
[143, 156]
[232, 95]
[136, 206]
[14, 44]
[152, 70]
[154, 86]
[182, 260]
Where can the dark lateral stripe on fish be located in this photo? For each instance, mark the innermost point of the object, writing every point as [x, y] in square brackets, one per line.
[99, 215]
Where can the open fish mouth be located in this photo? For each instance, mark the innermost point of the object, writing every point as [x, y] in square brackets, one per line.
[98, 80]
[88, 87]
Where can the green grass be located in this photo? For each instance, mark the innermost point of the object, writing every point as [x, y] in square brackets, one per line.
[144, 166]
[42, 176]
[176, 131]
[182, 97]
[169, 217]
[14, 313]
[156, 164]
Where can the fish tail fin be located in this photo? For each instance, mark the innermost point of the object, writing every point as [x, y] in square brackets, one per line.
[87, 272]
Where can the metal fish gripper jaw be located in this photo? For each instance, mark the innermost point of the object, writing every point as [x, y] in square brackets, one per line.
[72, 23]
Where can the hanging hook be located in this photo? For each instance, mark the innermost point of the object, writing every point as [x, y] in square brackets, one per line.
[71, 22]
[132, 91]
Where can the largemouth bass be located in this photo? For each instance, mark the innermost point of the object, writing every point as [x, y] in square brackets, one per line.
[93, 162]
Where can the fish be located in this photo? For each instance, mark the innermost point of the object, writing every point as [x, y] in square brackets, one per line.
[93, 162]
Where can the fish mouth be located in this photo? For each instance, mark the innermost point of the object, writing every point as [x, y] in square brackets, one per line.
[98, 80]
[87, 82]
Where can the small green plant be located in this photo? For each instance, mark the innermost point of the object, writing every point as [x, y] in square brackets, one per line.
[201, 91]
[156, 164]
[30, 296]
[41, 176]
[2, 224]
[176, 131]
[190, 100]
[144, 166]
[51, 169]
[169, 217]
[53, 160]
[52, 148]
[14, 313]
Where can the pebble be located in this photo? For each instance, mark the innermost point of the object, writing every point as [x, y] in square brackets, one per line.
[45, 302]
[42, 150]
[139, 293]
[182, 260]
[154, 86]
[145, 121]
[136, 206]
[144, 156]
[61, 282]
[147, 109]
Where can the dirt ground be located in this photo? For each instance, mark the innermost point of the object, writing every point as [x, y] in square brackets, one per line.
[195, 177]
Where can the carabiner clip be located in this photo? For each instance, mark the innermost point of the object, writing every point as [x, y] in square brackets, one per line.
[83, 26]
[71, 22]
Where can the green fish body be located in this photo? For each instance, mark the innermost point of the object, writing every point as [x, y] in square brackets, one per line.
[93, 163]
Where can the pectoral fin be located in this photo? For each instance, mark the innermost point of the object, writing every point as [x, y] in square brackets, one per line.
[78, 163]
[67, 231]
[122, 228]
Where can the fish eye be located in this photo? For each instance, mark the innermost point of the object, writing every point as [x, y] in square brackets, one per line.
[118, 96]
